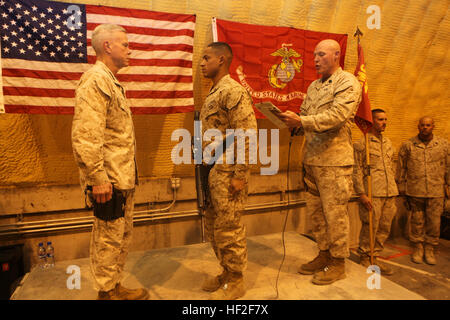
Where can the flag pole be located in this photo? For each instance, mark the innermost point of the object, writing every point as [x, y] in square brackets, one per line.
[2, 102]
[369, 194]
[214, 29]
[358, 34]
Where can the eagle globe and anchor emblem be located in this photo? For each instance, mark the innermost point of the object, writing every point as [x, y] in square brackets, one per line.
[281, 74]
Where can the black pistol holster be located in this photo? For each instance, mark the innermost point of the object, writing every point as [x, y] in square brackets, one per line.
[110, 210]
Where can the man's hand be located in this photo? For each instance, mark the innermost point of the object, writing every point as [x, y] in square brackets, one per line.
[291, 119]
[365, 201]
[102, 193]
[236, 186]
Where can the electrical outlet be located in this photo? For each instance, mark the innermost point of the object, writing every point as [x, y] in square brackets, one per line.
[176, 182]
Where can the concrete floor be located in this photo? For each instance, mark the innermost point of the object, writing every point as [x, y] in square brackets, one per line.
[432, 282]
[176, 274]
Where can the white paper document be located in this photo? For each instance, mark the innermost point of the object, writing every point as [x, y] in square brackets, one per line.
[270, 111]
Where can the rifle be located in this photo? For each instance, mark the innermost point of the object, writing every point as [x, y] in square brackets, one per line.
[201, 174]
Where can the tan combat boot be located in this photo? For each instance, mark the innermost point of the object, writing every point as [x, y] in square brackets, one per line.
[131, 294]
[108, 295]
[214, 284]
[384, 268]
[364, 260]
[429, 254]
[233, 288]
[417, 255]
[315, 265]
[333, 271]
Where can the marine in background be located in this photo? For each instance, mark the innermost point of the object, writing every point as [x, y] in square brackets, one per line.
[384, 190]
[423, 177]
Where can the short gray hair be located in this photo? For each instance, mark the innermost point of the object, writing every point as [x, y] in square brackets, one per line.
[101, 33]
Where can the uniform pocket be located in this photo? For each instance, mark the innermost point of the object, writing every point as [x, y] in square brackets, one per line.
[375, 158]
[343, 186]
[437, 155]
[325, 103]
[119, 116]
[212, 108]
[417, 154]
[122, 103]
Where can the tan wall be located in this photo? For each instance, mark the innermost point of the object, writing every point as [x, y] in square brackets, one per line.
[407, 60]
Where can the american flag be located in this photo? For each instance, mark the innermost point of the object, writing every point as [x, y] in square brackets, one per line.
[46, 47]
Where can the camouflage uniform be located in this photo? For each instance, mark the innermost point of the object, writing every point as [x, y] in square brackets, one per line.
[110, 241]
[327, 114]
[227, 106]
[103, 143]
[384, 190]
[423, 172]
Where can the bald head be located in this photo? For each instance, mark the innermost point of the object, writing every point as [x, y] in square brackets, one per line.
[426, 119]
[326, 57]
[330, 45]
[426, 126]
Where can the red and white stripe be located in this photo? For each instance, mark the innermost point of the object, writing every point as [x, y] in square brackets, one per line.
[158, 80]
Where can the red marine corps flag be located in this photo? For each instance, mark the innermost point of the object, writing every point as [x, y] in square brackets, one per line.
[273, 63]
[363, 118]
